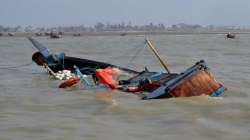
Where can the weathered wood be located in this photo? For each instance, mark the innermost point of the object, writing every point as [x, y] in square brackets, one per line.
[199, 83]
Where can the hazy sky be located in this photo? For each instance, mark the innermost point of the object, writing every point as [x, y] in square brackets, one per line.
[77, 12]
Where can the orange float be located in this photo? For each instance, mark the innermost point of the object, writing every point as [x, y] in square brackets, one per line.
[70, 82]
[105, 76]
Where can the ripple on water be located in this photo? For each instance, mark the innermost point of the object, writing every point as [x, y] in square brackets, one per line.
[32, 107]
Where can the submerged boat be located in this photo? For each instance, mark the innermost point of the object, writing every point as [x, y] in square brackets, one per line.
[195, 81]
[59, 61]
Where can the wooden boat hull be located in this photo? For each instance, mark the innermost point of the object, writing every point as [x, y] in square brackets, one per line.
[86, 66]
[200, 82]
[195, 81]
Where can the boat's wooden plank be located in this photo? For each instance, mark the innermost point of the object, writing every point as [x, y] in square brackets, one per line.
[200, 82]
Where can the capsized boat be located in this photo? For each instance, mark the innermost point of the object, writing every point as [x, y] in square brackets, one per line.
[195, 81]
[59, 61]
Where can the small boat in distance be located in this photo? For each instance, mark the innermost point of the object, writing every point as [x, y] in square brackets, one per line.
[11, 34]
[77, 34]
[55, 35]
[230, 35]
[123, 34]
[38, 34]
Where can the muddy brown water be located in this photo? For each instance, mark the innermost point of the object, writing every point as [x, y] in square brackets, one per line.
[33, 108]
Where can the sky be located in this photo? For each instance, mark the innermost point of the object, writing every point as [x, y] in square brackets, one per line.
[49, 13]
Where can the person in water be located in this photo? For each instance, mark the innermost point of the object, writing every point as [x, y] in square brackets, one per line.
[55, 58]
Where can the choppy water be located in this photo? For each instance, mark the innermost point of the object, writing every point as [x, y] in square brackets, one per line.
[33, 108]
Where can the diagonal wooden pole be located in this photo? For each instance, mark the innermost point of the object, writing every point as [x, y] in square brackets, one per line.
[49, 70]
[157, 55]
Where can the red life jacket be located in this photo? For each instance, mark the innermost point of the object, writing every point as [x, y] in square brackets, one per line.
[105, 76]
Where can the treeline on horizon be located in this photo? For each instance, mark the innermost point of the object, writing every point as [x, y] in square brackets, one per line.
[101, 27]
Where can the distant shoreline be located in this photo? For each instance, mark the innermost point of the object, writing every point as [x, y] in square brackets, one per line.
[126, 33]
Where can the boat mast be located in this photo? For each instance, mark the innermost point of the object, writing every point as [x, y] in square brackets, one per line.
[157, 55]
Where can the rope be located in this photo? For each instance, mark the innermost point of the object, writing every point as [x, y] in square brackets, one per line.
[63, 62]
[18, 66]
[135, 55]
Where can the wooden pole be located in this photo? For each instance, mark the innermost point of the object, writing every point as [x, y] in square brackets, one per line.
[157, 55]
[49, 70]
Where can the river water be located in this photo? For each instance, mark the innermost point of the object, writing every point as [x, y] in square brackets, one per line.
[33, 108]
